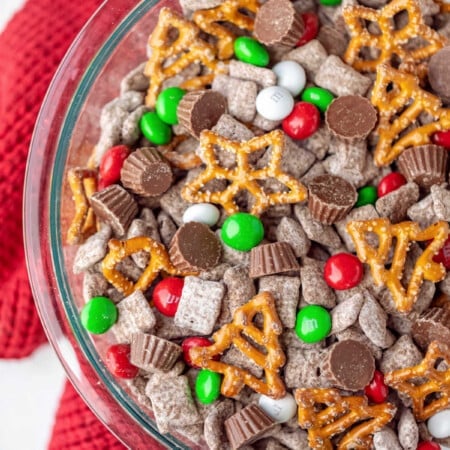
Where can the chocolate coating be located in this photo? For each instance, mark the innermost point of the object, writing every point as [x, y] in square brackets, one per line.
[195, 247]
[438, 73]
[433, 325]
[200, 110]
[277, 22]
[351, 117]
[350, 365]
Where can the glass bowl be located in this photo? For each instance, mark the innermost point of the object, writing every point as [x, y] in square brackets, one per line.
[109, 46]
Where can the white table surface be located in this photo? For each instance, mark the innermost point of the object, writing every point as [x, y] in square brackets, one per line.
[29, 388]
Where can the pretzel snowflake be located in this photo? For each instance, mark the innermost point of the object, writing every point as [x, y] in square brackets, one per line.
[404, 233]
[400, 101]
[243, 177]
[428, 387]
[325, 413]
[388, 42]
[236, 333]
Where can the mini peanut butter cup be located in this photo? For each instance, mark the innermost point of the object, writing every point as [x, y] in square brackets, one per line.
[152, 353]
[350, 365]
[330, 198]
[115, 206]
[276, 257]
[247, 425]
[146, 172]
[432, 325]
[351, 118]
[200, 110]
[425, 165]
[278, 23]
[195, 247]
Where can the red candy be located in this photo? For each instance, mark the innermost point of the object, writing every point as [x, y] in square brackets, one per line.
[443, 256]
[428, 445]
[191, 342]
[118, 361]
[442, 138]
[311, 23]
[391, 182]
[302, 122]
[377, 391]
[167, 294]
[111, 165]
[343, 271]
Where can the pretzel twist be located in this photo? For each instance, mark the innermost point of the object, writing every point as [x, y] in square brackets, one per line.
[83, 183]
[404, 233]
[169, 55]
[421, 381]
[243, 177]
[400, 102]
[229, 11]
[340, 413]
[119, 250]
[236, 333]
[389, 42]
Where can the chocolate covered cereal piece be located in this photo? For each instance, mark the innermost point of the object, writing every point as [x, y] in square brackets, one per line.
[441, 202]
[172, 402]
[92, 250]
[240, 287]
[395, 204]
[386, 439]
[346, 313]
[290, 231]
[214, 430]
[260, 75]
[310, 56]
[135, 316]
[408, 431]
[403, 353]
[199, 305]
[94, 285]
[423, 212]
[315, 291]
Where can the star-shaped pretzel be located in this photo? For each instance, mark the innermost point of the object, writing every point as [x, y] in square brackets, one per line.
[400, 101]
[119, 250]
[83, 183]
[387, 41]
[230, 11]
[243, 177]
[428, 387]
[241, 333]
[325, 413]
[404, 233]
[175, 44]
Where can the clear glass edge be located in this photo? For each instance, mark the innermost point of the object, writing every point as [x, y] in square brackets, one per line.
[31, 210]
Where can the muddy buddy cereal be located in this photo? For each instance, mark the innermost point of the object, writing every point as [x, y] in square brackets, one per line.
[262, 228]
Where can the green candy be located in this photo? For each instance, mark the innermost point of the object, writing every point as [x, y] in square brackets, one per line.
[313, 324]
[318, 96]
[367, 195]
[242, 231]
[330, 2]
[98, 315]
[207, 386]
[167, 104]
[154, 129]
[249, 50]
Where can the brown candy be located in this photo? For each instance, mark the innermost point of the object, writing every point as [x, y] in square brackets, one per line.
[350, 365]
[200, 110]
[195, 247]
[351, 117]
[153, 353]
[247, 425]
[425, 164]
[433, 325]
[330, 198]
[269, 259]
[115, 206]
[146, 172]
[278, 23]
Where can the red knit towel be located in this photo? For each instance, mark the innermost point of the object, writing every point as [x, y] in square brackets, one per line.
[31, 48]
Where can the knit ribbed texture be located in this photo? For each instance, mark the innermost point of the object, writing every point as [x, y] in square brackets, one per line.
[31, 47]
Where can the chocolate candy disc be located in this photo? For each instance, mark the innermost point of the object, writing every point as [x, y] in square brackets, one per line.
[195, 247]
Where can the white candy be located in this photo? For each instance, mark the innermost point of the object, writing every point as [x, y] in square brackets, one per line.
[291, 76]
[203, 213]
[439, 424]
[280, 410]
[274, 103]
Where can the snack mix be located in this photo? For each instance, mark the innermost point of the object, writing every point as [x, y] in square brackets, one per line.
[262, 227]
